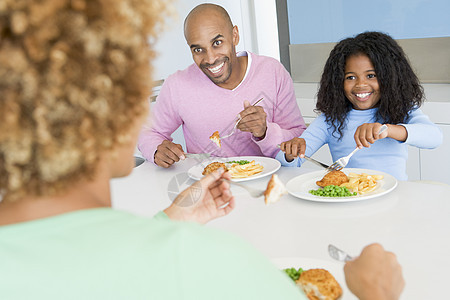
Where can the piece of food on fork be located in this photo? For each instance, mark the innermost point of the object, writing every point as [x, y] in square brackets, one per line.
[215, 137]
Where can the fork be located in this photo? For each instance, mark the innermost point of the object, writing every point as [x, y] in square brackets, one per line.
[232, 130]
[237, 122]
[198, 155]
[338, 254]
[343, 161]
[255, 193]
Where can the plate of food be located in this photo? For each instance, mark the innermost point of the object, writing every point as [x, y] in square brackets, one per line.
[242, 168]
[349, 184]
[323, 278]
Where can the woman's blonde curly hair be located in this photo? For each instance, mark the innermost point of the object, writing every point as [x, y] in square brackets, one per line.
[73, 76]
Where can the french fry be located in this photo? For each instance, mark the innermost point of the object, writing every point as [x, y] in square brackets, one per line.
[362, 183]
[243, 171]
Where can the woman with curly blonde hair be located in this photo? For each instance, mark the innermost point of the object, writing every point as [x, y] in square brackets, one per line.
[74, 83]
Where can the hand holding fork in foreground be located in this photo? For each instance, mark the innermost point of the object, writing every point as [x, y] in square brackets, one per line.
[362, 274]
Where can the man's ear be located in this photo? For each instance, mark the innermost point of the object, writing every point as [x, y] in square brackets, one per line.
[235, 35]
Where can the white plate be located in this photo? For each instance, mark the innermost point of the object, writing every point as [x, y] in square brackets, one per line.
[334, 267]
[301, 185]
[270, 166]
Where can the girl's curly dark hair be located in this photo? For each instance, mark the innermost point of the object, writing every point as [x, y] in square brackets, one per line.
[400, 88]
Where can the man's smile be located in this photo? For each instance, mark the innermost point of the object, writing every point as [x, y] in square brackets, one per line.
[216, 69]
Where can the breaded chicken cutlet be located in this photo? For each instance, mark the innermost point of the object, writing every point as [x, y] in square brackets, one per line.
[319, 284]
[333, 178]
[214, 166]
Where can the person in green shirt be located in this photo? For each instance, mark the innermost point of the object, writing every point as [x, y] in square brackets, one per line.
[74, 82]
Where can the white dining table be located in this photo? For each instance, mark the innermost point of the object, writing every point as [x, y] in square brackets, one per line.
[413, 221]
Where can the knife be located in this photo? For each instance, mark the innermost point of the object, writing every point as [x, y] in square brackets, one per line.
[312, 160]
[316, 162]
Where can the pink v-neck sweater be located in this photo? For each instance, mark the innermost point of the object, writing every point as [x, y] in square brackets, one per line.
[189, 98]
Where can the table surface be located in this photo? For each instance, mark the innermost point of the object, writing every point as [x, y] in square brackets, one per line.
[412, 221]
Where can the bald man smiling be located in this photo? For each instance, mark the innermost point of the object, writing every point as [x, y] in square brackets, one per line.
[216, 91]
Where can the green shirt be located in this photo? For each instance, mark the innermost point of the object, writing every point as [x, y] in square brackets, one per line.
[107, 254]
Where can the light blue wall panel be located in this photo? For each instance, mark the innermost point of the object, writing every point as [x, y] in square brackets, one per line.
[324, 21]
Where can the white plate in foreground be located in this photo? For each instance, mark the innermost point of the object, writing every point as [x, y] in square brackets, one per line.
[270, 166]
[301, 185]
[334, 267]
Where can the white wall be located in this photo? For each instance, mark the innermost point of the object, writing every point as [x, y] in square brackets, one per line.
[266, 28]
[256, 21]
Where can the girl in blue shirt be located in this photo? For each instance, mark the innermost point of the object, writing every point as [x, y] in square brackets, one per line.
[367, 82]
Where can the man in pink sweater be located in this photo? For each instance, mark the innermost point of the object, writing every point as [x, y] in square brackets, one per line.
[211, 94]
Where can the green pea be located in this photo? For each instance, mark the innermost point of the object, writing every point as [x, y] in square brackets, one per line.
[332, 191]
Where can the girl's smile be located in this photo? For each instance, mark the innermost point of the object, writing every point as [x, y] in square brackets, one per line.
[360, 83]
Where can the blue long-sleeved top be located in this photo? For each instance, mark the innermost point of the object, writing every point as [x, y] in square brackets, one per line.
[387, 155]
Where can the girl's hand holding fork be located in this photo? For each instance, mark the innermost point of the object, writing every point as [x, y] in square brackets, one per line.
[368, 133]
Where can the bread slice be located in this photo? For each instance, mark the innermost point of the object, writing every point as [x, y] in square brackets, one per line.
[319, 284]
[275, 189]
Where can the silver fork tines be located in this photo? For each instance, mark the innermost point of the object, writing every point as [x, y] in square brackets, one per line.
[341, 162]
[232, 130]
[338, 254]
